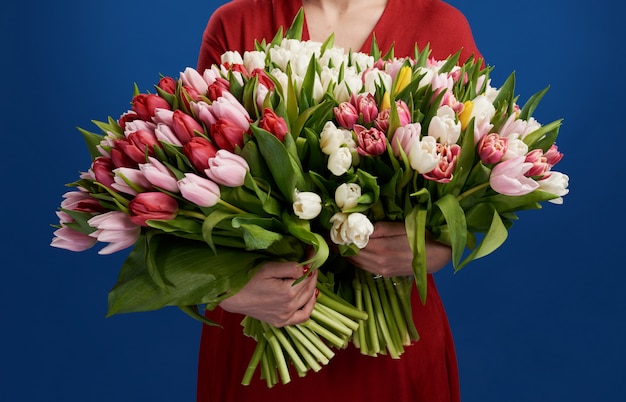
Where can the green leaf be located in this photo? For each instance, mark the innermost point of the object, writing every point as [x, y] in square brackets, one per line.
[295, 30]
[285, 169]
[93, 141]
[415, 224]
[494, 238]
[194, 274]
[532, 103]
[455, 219]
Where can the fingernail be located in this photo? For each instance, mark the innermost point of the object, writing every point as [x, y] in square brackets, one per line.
[305, 269]
[317, 292]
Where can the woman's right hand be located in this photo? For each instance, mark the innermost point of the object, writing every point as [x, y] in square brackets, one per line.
[270, 295]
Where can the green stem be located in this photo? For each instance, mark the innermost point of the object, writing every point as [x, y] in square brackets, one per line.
[329, 322]
[279, 357]
[191, 214]
[231, 206]
[353, 325]
[380, 317]
[305, 347]
[471, 191]
[325, 351]
[392, 293]
[325, 333]
[288, 347]
[339, 305]
[390, 319]
[254, 361]
[360, 340]
[372, 332]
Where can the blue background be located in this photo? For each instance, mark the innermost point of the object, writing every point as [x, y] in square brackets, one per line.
[542, 319]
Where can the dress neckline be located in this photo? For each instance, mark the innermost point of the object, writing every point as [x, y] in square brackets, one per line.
[365, 46]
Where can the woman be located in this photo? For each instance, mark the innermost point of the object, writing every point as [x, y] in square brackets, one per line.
[427, 371]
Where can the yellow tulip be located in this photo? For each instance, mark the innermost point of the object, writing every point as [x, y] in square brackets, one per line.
[403, 79]
[385, 103]
[466, 115]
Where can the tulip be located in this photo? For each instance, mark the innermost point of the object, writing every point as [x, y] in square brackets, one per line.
[81, 201]
[189, 96]
[69, 239]
[509, 178]
[103, 170]
[168, 85]
[340, 161]
[403, 79]
[274, 124]
[136, 144]
[448, 155]
[159, 175]
[352, 228]
[115, 228]
[347, 196]
[217, 88]
[199, 150]
[263, 78]
[152, 205]
[444, 126]
[553, 156]
[555, 184]
[423, 155]
[491, 148]
[144, 105]
[198, 190]
[372, 142]
[192, 78]
[306, 205]
[540, 165]
[346, 115]
[404, 138]
[164, 133]
[227, 135]
[164, 116]
[130, 181]
[126, 118]
[366, 108]
[331, 138]
[227, 169]
[254, 61]
[185, 126]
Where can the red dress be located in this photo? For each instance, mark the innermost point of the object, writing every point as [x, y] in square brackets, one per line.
[427, 371]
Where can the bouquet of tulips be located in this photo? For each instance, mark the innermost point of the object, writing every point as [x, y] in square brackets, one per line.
[299, 145]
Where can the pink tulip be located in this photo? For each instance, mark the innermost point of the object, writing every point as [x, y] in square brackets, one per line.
[130, 181]
[69, 239]
[152, 205]
[366, 107]
[405, 137]
[443, 172]
[371, 141]
[192, 78]
[509, 178]
[81, 201]
[553, 156]
[540, 165]
[115, 228]
[227, 169]
[346, 115]
[199, 190]
[159, 175]
[491, 148]
[126, 118]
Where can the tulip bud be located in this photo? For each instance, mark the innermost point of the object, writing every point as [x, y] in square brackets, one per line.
[152, 206]
[115, 228]
[144, 105]
[371, 141]
[352, 228]
[306, 205]
[509, 178]
[347, 196]
[274, 124]
[346, 115]
[199, 190]
[227, 169]
[199, 150]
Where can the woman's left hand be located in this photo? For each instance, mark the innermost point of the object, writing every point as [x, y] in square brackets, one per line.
[388, 252]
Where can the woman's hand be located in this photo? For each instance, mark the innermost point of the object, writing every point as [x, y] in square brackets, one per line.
[388, 252]
[270, 295]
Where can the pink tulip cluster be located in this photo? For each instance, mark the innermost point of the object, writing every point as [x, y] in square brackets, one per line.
[195, 120]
